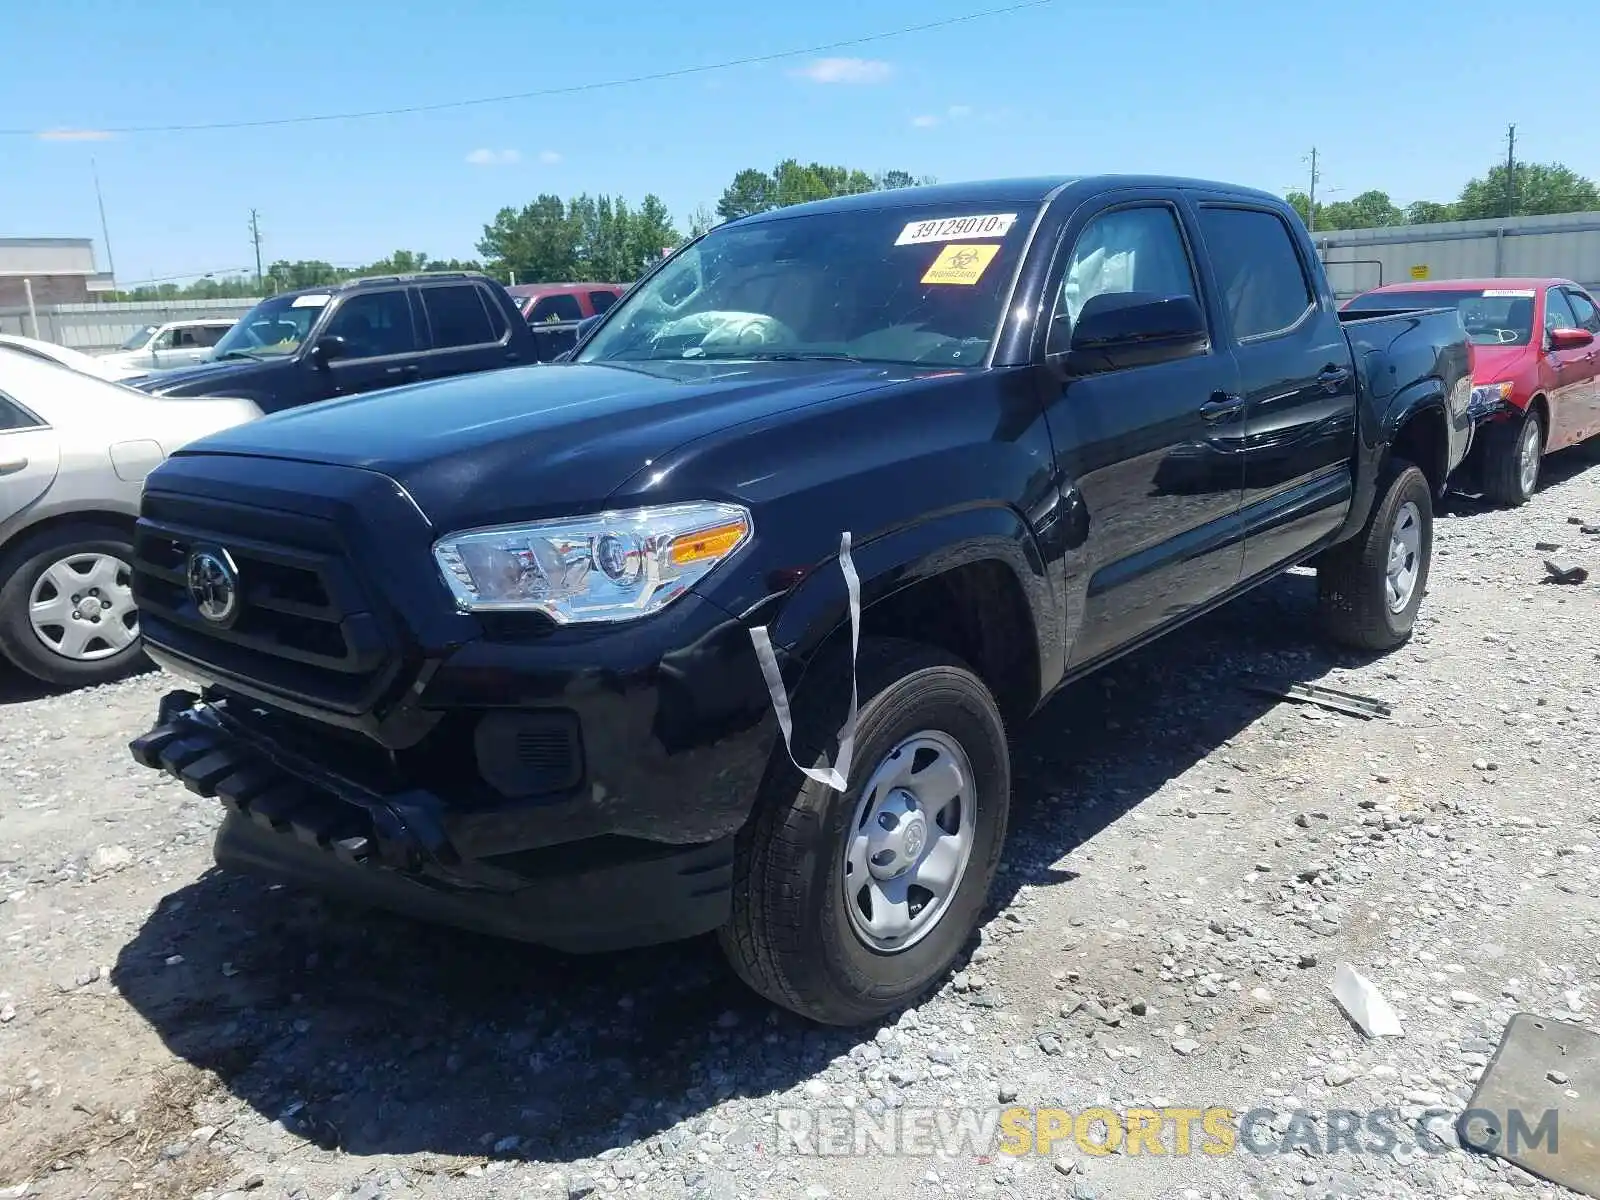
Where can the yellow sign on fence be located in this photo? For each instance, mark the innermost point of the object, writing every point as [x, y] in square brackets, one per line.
[1420, 271]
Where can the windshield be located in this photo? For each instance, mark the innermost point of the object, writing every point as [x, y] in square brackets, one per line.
[138, 340]
[919, 285]
[1493, 316]
[273, 328]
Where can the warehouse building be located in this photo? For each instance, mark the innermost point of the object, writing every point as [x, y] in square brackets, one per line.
[59, 270]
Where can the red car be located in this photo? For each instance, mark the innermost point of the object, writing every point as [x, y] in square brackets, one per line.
[543, 303]
[1536, 369]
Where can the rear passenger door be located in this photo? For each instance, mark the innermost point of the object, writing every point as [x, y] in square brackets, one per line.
[1146, 448]
[1296, 376]
[466, 331]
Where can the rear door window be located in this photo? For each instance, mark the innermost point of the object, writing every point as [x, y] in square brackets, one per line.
[13, 417]
[601, 301]
[1262, 280]
[457, 316]
[560, 307]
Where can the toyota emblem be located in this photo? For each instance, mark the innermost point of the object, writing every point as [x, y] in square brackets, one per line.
[213, 585]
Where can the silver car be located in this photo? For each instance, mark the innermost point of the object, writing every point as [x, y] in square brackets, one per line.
[74, 453]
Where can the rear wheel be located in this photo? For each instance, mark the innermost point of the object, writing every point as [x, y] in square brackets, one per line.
[849, 906]
[1370, 588]
[67, 615]
[1512, 452]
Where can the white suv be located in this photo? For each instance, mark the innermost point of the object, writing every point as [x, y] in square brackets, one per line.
[175, 344]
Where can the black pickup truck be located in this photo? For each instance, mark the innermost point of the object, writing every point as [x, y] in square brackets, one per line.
[361, 336]
[523, 652]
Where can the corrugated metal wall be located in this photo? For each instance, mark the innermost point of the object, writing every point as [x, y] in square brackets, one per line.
[1567, 245]
[93, 327]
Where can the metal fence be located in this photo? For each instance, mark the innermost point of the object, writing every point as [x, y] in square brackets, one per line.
[1567, 245]
[92, 327]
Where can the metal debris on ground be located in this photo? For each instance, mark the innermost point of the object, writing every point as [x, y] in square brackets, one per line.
[1365, 707]
[1364, 1004]
[1547, 547]
[1564, 570]
[1538, 1103]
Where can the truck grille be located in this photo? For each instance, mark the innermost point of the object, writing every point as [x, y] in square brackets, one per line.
[303, 627]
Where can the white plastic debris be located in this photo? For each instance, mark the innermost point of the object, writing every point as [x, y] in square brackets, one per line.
[1364, 1004]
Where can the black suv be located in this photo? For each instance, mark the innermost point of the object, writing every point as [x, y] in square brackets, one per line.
[360, 336]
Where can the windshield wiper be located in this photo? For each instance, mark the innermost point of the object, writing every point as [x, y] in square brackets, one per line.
[239, 354]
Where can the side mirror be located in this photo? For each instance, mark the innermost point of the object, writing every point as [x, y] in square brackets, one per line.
[1128, 321]
[329, 347]
[1570, 339]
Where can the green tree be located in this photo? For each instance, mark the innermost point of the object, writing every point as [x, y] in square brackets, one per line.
[587, 238]
[1536, 189]
[1428, 212]
[1369, 210]
[536, 244]
[794, 182]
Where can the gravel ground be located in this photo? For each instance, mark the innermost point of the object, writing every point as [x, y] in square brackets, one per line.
[1188, 862]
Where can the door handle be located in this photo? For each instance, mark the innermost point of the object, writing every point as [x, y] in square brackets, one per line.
[1333, 377]
[1221, 404]
[11, 466]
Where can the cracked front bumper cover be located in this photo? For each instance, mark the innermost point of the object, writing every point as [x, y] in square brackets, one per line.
[298, 821]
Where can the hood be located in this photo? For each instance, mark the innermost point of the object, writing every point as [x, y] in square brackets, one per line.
[1495, 364]
[205, 377]
[524, 442]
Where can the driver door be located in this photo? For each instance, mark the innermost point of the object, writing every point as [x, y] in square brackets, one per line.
[1572, 374]
[380, 343]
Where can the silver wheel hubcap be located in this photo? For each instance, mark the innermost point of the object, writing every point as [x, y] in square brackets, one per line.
[1405, 556]
[81, 607]
[1528, 457]
[908, 847]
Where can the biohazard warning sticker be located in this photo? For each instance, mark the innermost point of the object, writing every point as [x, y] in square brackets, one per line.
[961, 264]
[950, 229]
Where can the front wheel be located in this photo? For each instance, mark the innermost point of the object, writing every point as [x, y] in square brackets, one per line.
[849, 906]
[1512, 452]
[67, 615]
[1370, 588]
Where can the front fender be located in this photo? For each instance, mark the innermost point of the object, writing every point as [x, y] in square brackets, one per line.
[815, 612]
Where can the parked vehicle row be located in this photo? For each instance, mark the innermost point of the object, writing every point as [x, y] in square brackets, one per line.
[88, 364]
[508, 650]
[1536, 374]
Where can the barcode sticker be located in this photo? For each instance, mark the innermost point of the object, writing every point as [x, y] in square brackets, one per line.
[951, 229]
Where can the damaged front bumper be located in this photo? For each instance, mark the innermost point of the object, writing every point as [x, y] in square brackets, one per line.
[300, 821]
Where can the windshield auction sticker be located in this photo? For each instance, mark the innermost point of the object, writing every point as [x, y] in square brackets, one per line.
[961, 264]
[950, 229]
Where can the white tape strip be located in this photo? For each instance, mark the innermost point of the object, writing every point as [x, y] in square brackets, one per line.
[837, 776]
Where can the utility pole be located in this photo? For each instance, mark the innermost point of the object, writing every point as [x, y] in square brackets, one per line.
[105, 232]
[1311, 197]
[255, 236]
[1511, 170]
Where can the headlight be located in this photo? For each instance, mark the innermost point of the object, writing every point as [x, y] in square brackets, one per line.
[1488, 395]
[610, 567]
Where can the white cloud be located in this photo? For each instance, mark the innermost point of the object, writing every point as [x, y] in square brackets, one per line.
[846, 70]
[494, 158]
[925, 121]
[957, 111]
[549, 157]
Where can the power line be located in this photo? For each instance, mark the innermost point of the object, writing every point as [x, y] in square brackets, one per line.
[570, 89]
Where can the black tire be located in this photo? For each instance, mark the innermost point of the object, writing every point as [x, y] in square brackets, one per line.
[790, 937]
[1352, 578]
[1503, 480]
[21, 569]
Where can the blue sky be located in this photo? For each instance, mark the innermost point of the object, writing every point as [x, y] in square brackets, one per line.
[1412, 98]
